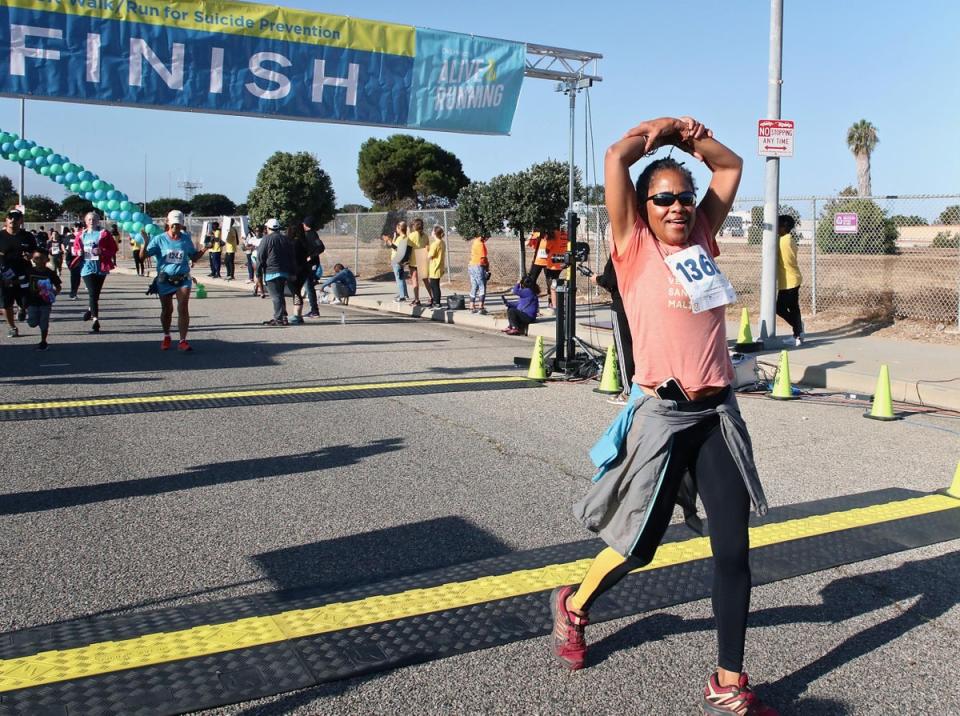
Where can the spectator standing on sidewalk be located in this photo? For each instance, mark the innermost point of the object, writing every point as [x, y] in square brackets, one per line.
[400, 252]
[479, 270]
[277, 263]
[419, 264]
[437, 257]
[230, 251]
[789, 278]
[315, 247]
[212, 243]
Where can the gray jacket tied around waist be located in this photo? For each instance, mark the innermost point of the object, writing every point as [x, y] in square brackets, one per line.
[618, 505]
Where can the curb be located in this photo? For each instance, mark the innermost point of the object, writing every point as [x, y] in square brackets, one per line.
[813, 375]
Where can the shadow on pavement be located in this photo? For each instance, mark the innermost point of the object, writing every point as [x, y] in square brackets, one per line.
[199, 476]
[933, 583]
[380, 555]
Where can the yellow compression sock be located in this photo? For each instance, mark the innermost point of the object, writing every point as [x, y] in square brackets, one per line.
[605, 563]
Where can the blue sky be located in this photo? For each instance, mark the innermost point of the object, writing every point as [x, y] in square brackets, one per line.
[895, 65]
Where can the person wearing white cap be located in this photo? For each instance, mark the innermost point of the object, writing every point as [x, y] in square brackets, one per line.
[174, 251]
[277, 259]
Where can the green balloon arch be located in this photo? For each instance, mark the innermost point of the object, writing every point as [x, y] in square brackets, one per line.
[114, 204]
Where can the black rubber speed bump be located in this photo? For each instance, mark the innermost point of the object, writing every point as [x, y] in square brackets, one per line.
[188, 658]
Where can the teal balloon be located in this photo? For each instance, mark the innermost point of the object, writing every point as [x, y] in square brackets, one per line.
[107, 186]
[71, 177]
[28, 164]
[59, 179]
[153, 229]
[56, 168]
[40, 161]
[113, 194]
[99, 195]
[98, 184]
[45, 171]
[140, 217]
[6, 147]
[124, 215]
[19, 144]
[74, 186]
[36, 151]
[70, 167]
[128, 226]
[114, 214]
[23, 154]
[88, 195]
[85, 175]
[85, 185]
[126, 205]
[135, 227]
[113, 205]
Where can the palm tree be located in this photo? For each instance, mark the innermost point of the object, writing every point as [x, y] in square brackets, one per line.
[862, 138]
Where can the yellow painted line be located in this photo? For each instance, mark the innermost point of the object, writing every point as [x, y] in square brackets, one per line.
[268, 392]
[105, 657]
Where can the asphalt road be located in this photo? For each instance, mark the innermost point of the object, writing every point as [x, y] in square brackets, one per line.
[130, 512]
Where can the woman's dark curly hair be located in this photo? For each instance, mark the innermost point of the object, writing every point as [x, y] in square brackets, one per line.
[646, 176]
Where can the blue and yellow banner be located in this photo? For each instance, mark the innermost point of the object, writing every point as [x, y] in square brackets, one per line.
[248, 59]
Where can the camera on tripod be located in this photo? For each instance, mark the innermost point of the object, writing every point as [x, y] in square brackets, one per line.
[581, 253]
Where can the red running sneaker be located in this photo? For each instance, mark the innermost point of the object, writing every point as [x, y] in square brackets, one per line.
[184, 346]
[739, 699]
[569, 645]
[165, 343]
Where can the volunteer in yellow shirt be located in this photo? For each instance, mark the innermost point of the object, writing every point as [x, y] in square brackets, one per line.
[437, 255]
[789, 278]
[420, 263]
[230, 251]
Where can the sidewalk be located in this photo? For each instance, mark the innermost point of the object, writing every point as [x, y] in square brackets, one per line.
[842, 359]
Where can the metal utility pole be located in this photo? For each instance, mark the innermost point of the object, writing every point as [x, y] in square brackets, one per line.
[768, 277]
[23, 169]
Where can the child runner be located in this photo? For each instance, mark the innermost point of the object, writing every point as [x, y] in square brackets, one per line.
[663, 244]
[479, 270]
[174, 251]
[42, 289]
[95, 251]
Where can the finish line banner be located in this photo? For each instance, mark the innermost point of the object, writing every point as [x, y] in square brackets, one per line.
[259, 60]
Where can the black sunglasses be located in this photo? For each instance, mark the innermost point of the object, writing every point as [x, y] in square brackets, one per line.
[686, 198]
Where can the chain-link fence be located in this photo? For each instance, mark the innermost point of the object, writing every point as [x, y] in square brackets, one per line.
[900, 258]
[883, 257]
[893, 256]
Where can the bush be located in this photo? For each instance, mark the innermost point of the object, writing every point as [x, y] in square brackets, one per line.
[946, 240]
[876, 234]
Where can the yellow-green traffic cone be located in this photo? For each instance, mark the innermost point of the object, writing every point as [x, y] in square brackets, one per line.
[201, 291]
[610, 379]
[954, 489]
[882, 403]
[537, 370]
[782, 389]
[745, 342]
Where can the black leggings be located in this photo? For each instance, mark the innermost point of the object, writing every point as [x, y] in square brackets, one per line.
[434, 285]
[788, 308]
[75, 280]
[138, 262]
[702, 450]
[518, 319]
[94, 285]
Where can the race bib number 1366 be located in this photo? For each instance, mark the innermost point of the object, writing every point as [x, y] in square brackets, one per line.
[704, 283]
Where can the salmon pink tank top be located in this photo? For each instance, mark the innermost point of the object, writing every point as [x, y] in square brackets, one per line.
[668, 339]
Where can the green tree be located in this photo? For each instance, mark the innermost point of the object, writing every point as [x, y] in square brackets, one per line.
[912, 220]
[946, 240]
[8, 194]
[76, 205]
[950, 215]
[242, 209]
[478, 212]
[404, 172]
[876, 234]
[41, 208]
[353, 209]
[290, 187]
[212, 205]
[164, 205]
[862, 139]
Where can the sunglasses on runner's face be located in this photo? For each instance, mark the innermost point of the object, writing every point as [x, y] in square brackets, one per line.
[686, 198]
